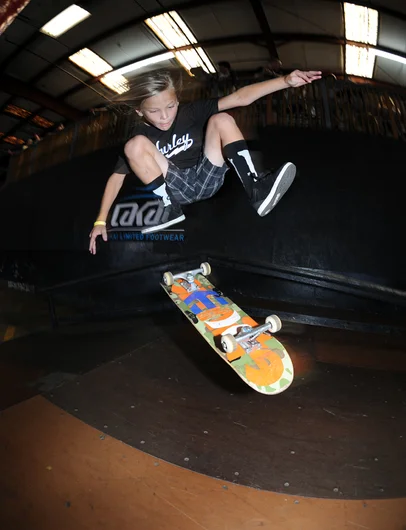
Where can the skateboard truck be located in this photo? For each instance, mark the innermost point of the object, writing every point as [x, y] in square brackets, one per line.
[230, 342]
[189, 276]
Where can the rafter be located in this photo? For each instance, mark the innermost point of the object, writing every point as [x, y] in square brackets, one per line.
[222, 41]
[285, 38]
[265, 27]
[14, 86]
[27, 44]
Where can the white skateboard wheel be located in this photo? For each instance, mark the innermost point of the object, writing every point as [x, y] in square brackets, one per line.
[206, 269]
[168, 279]
[228, 343]
[275, 322]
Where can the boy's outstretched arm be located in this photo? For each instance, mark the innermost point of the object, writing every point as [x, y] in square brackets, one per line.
[111, 190]
[250, 93]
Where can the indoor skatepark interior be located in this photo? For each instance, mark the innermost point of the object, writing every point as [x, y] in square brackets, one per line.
[115, 413]
[138, 424]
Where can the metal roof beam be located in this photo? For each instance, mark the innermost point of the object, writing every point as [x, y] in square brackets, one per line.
[284, 38]
[329, 39]
[257, 39]
[14, 86]
[25, 45]
[265, 27]
[222, 41]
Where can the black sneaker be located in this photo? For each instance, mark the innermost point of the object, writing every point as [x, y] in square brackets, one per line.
[270, 188]
[171, 214]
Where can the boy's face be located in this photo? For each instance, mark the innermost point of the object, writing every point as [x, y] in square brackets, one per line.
[160, 110]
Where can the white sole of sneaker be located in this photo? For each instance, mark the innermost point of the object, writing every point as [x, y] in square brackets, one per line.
[162, 226]
[280, 187]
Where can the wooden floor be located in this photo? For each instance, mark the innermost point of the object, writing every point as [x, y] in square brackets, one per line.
[58, 473]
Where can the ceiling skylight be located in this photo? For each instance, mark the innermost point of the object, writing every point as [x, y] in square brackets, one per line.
[115, 82]
[96, 66]
[113, 79]
[174, 33]
[91, 62]
[359, 61]
[66, 20]
[361, 25]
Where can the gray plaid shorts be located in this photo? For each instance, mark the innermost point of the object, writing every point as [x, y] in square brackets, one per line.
[195, 183]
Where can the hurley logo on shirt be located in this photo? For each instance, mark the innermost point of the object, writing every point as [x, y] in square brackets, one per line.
[178, 144]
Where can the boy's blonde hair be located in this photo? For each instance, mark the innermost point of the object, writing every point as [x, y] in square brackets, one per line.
[147, 85]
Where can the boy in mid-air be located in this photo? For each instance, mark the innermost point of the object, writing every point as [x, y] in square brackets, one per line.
[182, 152]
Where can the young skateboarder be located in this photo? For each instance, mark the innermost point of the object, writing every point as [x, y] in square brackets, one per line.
[182, 152]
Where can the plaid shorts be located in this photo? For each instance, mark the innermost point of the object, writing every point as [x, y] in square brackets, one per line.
[195, 183]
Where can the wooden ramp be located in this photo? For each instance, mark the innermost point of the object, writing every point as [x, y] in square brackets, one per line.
[58, 472]
[138, 425]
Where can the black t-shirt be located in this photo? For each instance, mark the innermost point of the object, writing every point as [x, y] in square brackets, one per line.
[183, 142]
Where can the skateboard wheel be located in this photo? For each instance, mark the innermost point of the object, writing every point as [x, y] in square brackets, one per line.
[275, 322]
[168, 279]
[192, 317]
[206, 269]
[228, 343]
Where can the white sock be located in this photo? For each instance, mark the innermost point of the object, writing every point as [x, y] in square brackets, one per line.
[162, 192]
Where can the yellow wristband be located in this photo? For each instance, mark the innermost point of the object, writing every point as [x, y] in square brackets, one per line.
[98, 223]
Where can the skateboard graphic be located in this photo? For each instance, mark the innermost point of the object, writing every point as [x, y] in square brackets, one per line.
[249, 348]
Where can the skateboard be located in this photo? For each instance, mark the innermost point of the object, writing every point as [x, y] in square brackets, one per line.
[249, 349]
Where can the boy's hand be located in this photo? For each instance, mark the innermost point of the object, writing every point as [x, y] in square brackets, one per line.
[298, 78]
[97, 231]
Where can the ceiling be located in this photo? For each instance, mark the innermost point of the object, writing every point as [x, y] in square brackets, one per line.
[37, 77]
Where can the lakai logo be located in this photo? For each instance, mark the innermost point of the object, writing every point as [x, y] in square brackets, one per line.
[130, 216]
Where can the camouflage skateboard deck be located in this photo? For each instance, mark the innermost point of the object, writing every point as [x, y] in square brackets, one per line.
[248, 348]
